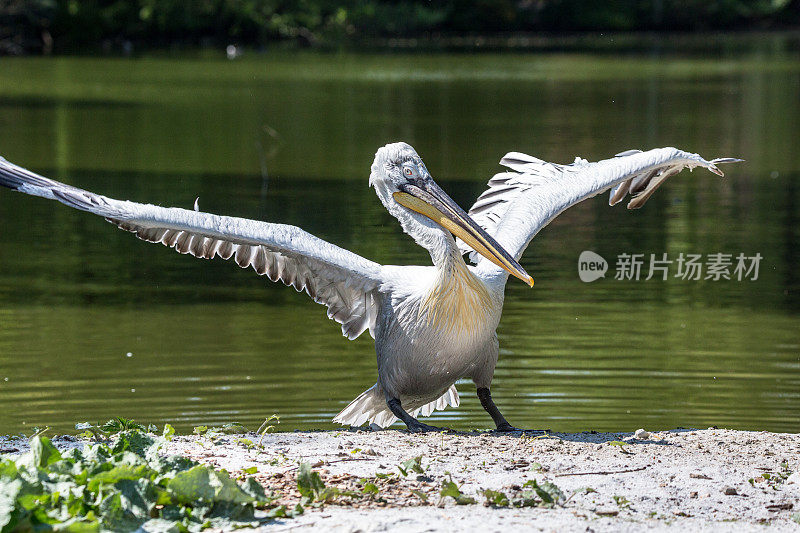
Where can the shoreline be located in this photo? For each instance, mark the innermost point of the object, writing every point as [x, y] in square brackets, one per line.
[703, 480]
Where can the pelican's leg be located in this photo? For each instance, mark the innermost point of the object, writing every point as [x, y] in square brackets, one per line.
[485, 396]
[413, 425]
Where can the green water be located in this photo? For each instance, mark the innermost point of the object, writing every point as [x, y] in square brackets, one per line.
[290, 138]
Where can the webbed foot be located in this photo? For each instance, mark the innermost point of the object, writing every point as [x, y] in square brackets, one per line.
[419, 427]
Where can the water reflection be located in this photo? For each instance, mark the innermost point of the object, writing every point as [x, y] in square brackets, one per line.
[211, 343]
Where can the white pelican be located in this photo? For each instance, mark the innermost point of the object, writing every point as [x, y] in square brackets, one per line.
[432, 325]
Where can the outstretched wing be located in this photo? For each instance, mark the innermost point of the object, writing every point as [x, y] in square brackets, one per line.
[522, 201]
[345, 282]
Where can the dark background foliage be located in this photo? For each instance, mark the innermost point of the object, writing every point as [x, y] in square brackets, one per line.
[35, 26]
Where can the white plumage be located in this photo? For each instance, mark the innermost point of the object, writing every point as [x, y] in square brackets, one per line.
[518, 204]
[433, 324]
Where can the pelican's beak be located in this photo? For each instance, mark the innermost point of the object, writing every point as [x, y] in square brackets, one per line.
[427, 198]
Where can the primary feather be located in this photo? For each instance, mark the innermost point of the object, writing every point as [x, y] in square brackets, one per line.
[520, 202]
[344, 282]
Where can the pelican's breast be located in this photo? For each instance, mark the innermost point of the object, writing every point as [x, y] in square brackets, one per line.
[457, 303]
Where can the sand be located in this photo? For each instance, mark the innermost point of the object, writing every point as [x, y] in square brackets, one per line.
[695, 480]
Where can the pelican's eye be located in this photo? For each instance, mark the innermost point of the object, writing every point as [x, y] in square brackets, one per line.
[408, 172]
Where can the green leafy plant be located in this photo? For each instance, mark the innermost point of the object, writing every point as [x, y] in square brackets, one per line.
[621, 501]
[449, 488]
[411, 465]
[549, 494]
[419, 494]
[313, 489]
[231, 428]
[496, 498]
[266, 427]
[168, 432]
[621, 445]
[123, 485]
[118, 423]
[369, 488]
[39, 431]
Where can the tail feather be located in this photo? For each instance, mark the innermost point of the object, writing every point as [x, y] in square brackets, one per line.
[370, 407]
[448, 398]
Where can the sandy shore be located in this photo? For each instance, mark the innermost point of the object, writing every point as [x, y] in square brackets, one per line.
[693, 480]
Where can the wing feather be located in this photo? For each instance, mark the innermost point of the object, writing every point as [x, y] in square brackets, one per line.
[518, 204]
[346, 283]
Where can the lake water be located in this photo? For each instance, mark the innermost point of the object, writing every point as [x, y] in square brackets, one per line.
[95, 323]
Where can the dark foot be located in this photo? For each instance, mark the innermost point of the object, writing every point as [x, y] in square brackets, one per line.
[507, 428]
[413, 425]
[485, 396]
[419, 427]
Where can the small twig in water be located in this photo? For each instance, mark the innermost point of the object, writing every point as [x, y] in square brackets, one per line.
[39, 431]
[602, 472]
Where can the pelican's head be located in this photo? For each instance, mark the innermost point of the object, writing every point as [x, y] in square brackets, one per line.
[408, 191]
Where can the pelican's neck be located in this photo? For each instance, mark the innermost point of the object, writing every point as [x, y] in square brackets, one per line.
[445, 255]
[456, 301]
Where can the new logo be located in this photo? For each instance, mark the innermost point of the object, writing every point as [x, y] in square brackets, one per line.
[591, 266]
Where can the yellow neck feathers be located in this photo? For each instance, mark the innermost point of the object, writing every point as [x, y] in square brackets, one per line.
[457, 302]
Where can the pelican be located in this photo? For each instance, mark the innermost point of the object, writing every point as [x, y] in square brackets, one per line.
[432, 325]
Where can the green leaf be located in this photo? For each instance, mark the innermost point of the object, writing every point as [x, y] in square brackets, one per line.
[496, 498]
[309, 484]
[124, 486]
[328, 494]
[252, 470]
[9, 514]
[277, 512]
[137, 497]
[449, 488]
[8, 469]
[547, 491]
[233, 428]
[411, 465]
[419, 494]
[370, 488]
[79, 525]
[133, 441]
[207, 485]
[527, 499]
[168, 432]
[117, 473]
[159, 525]
[621, 445]
[296, 511]
[256, 490]
[556, 494]
[117, 424]
[43, 453]
[114, 516]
